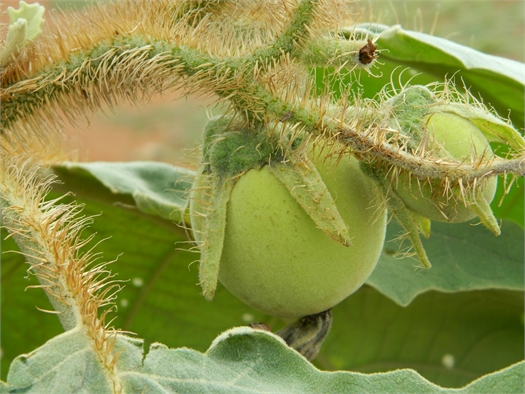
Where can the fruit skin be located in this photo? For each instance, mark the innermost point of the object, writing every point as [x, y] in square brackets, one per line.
[276, 260]
[458, 138]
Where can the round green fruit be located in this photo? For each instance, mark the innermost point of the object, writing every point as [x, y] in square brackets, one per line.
[454, 137]
[276, 260]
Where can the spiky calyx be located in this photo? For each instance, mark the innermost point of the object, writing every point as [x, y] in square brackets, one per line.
[449, 136]
[433, 129]
[231, 150]
[232, 153]
[429, 128]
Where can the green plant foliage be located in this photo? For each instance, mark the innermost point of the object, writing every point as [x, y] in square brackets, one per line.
[102, 245]
[465, 257]
[449, 338]
[156, 188]
[160, 291]
[241, 360]
[69, 354]
[460, 269]
[161, 295]
[24, 27]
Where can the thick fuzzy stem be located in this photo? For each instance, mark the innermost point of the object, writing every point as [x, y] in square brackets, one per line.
[288, 40]
[23, 219]
[412, 223]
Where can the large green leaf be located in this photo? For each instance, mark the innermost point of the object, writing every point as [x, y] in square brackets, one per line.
[156, 188]
[464, 257]
[241, 360]
[67, 363]
[450, 339]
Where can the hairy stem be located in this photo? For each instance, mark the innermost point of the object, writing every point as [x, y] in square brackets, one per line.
[48, 235]
[22, 216]
[134, 57]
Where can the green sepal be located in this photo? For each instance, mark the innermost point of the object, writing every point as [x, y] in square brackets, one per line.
[299, 175]
[482, 208]
[231, 149]
[492, 127]
[411, 223]
[407, 110]
[209, 202]
[423, 224]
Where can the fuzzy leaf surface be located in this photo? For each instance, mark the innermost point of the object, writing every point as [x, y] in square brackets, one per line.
[240, 360]
[67, 363]
[464, 257]
[156, 188]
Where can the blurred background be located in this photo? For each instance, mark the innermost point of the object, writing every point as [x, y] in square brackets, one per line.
[168, 128]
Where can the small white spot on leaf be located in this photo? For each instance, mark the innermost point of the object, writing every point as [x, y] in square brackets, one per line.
[448, 361]
[137, 282]
[248, 317]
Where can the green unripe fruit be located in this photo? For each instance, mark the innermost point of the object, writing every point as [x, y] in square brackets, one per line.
[455, 137]
[276, 260]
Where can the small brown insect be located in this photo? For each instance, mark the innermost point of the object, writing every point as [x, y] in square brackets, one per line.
[367, 53]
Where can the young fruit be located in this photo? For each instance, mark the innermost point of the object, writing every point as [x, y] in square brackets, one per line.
[449, 136]
[274, 257]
